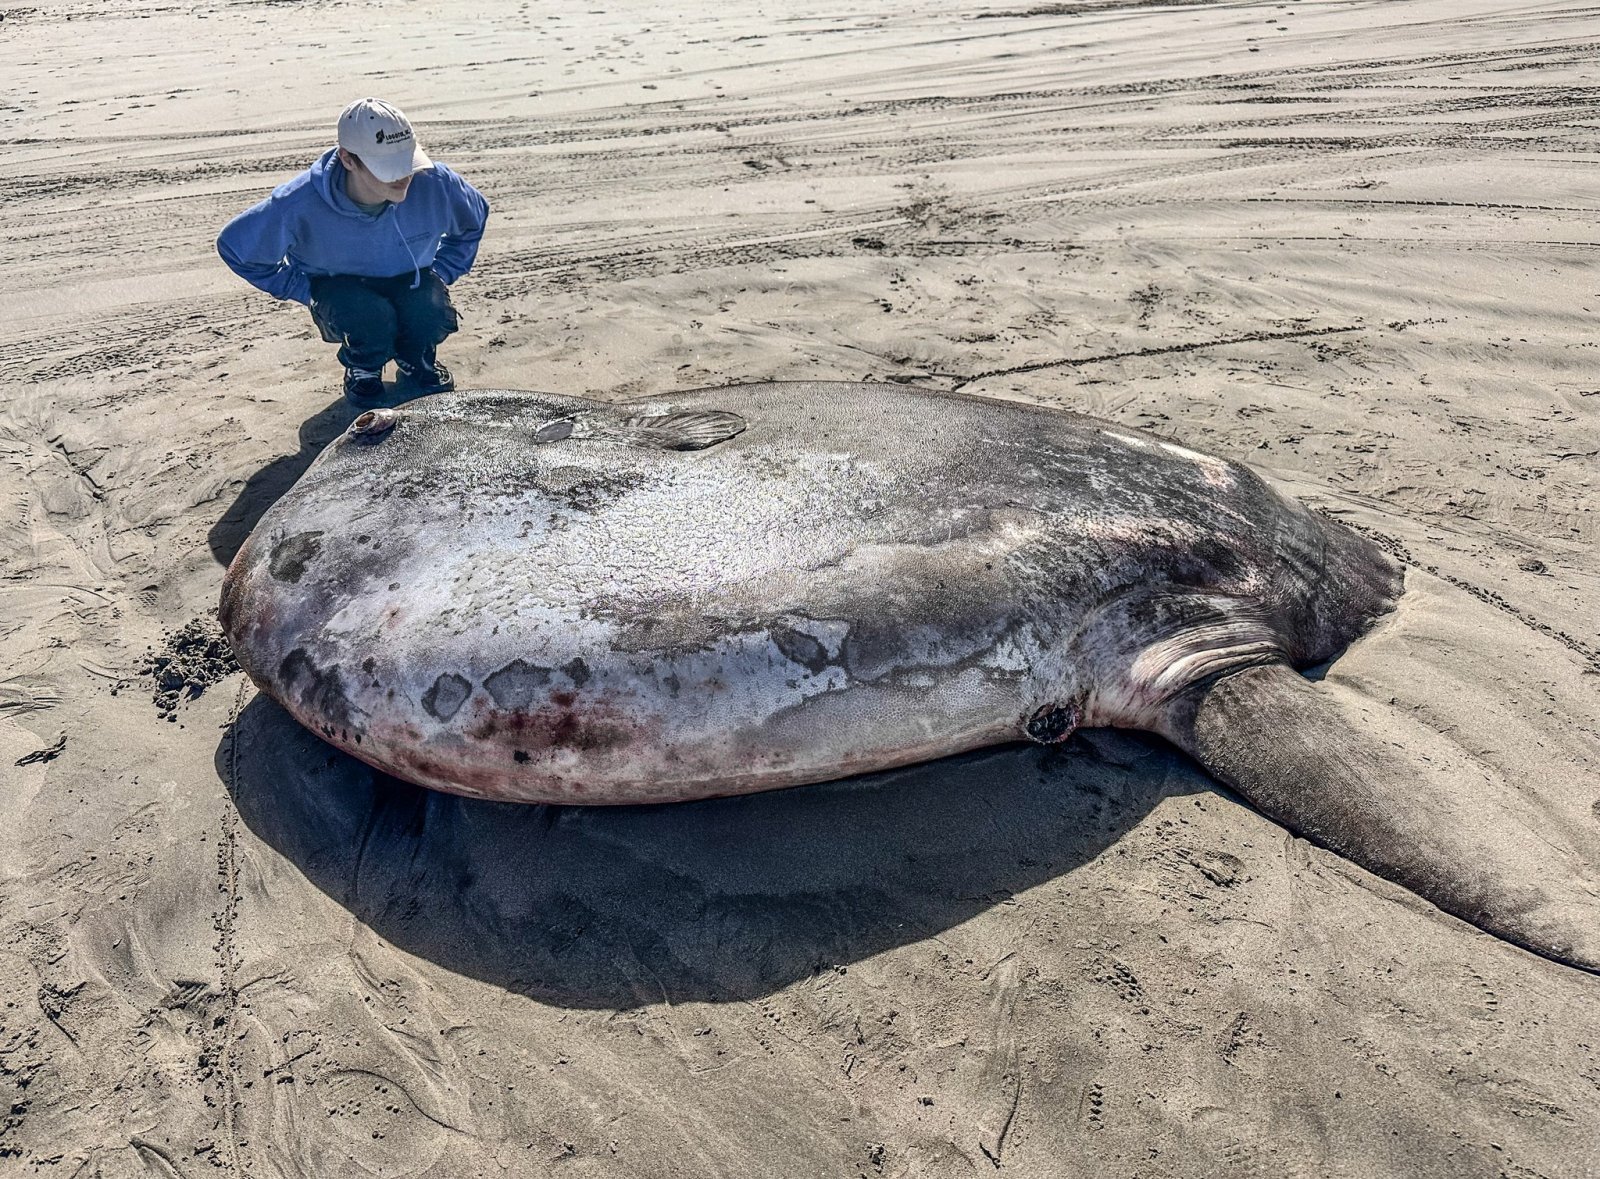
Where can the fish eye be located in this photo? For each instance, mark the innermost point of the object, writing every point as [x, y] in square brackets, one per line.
[374, 423]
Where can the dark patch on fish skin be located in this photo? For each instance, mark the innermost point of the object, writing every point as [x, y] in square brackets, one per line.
[292, 554]
[578, 672]
[1210, 560]
[520, 756]
[516, 684]
[670, 631]
[874, 647]
[593, 494]
[319, 690]
[799, 647]
[445, 698]
[583, 489]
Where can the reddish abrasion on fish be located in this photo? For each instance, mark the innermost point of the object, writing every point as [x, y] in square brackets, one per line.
[524, 754]
[250, 612]
[530, 755]
[244, 608]
[399, 751]
[562, 727]
[453, 775]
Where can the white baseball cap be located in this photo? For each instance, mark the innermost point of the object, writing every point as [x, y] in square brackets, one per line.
[382, 137]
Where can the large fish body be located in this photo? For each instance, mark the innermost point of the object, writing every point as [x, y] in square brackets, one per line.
[550, 599]
[524, 596]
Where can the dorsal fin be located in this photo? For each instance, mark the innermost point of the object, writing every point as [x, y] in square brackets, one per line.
[690, 429]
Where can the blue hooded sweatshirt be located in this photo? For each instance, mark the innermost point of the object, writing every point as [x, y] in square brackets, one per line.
[311, 227]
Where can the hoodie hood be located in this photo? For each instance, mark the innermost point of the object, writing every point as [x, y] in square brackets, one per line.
[327, 177]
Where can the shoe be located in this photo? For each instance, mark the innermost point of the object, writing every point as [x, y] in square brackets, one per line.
[425, 376]
[363, 386]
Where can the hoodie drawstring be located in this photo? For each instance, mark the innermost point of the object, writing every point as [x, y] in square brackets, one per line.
[416, 271]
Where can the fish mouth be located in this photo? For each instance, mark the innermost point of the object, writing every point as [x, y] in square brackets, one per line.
[1051, 724]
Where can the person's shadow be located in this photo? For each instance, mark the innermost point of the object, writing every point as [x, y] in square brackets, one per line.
[730, 899]
[264, 488]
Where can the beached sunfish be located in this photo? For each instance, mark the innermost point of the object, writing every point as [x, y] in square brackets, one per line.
[541, 598]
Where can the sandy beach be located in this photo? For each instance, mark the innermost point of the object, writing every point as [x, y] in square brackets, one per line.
[1348, 242]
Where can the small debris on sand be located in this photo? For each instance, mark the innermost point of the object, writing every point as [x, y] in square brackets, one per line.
[191, 659]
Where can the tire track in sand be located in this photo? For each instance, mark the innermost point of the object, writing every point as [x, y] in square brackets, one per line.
[221, 1034]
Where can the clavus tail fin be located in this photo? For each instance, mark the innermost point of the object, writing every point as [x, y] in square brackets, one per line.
[1400, 800]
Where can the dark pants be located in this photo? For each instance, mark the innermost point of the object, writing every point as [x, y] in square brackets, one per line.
[376, 320]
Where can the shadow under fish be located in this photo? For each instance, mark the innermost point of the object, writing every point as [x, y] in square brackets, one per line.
[722, 900]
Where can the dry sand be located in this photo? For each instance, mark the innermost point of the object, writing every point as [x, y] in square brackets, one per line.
[1348, 241]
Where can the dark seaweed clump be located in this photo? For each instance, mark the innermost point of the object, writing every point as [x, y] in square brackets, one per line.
[189, 661]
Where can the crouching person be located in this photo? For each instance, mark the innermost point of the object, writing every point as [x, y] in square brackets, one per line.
[370, 237]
